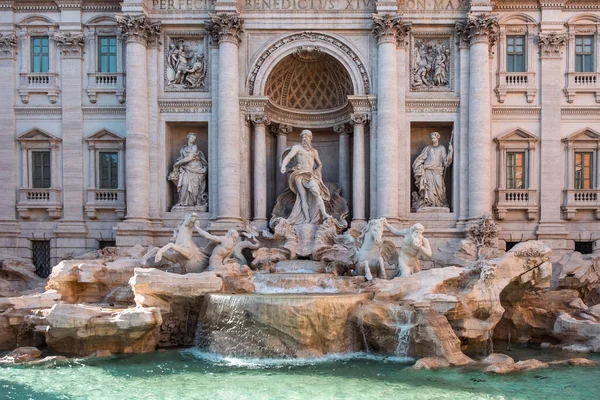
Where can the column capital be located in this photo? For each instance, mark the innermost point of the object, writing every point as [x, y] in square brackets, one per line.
[479, 28]
[390, 28]
[360, 118]
[280, 130]
[71, 44]
[259, 119]
[551, 44]
[342, 129]
[138, 28]
[8, 45]
[225, 27]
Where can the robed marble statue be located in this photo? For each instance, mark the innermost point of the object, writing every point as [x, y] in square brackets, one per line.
[429, 170]
[189, 175]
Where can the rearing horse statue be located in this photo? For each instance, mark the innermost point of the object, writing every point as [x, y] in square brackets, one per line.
[183, 249]
[374, 252]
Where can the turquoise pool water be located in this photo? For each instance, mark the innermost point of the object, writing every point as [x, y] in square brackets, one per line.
[191, 374]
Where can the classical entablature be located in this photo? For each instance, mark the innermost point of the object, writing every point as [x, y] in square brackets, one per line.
[307, 78]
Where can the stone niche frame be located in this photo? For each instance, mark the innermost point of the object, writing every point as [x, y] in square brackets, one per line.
[193, 40]
[419, 138]
[438, 38]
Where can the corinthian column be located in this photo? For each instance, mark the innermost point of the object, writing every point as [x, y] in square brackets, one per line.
[480, 32]
[138, 29]
[344, 160]
[358, 169]
[388, 29]
[260, 170]
[225, 30]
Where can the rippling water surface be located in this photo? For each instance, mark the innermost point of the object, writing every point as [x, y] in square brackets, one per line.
[191, 374]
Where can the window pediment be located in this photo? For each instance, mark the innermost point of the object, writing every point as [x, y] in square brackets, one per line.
[104, 135]
[37, 135]
[587, 135]
[519, 137]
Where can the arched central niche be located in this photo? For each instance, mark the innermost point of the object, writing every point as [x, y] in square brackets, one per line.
[309, 80]
[309, 88]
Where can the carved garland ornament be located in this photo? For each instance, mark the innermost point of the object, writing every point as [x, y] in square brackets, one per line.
[71, 44]
[479, 27]
[551, 44]
[225, 27]
[313, 37]
[390, 28]
[8, 43]
[138, 28]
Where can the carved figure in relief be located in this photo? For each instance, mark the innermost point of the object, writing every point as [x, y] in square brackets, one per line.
[429, 172]
[413, 246]
[373, 251]
[222, 253]
[185, 67]
[189, 175]
[306, 182]
[182, 249]
[431, 64]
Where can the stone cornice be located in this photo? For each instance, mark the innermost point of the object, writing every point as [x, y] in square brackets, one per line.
[390, 28]
[551, 44]
[68, 4]
[8, 44]
[512, 113]
[138, 28]
[579, 112]
[71, 45]
[225, 27]
[103, 110]
[38, 110]
[478, 28]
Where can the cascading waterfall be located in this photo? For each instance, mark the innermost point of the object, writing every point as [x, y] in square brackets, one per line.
[404, 325]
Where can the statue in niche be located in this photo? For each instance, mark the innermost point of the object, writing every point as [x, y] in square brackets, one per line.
[414, 244]
[431, 65]
[306, 182]
[429, 170]
[185, 67]
[189, 175]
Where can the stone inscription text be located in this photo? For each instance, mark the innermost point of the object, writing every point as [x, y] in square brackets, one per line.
[309, 4]
[183, 5]
[433, 4]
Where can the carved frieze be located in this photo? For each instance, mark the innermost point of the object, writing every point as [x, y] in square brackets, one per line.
[8, 44]
[390, 28]
[479, 27]
[225, 27]
[185, 63]
[431, 64]
[138, 28]
[71, 45]
[551, 44]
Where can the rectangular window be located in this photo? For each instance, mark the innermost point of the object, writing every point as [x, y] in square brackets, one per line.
[515, 171]
[584, 54]
[40, 167]
[40, 55]
[40, 250]
[583, 170]
[515, 53]
[109, 170]
[107, 54]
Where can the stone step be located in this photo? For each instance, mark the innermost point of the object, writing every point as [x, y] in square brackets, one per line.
[306, 283]
[300, 266]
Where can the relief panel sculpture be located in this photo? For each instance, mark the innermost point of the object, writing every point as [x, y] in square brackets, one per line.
[185, 64]
[431, 64]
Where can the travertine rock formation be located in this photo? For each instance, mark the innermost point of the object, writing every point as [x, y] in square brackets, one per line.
[82, 330]
[17, 277]
[94, 281]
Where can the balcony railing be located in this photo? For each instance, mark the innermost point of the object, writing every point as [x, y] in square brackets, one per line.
[516, 82]
[581, 199]
[39, 198]
[38, 83]
[105, 199]
[582, 82]
[516, 199]
[106, 83]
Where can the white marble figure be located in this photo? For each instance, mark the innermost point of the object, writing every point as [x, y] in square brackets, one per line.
[306, 182]
[189, 175]
[429, 170]
[414, 244]
[374, 252]
[224, 247]
[182, 249]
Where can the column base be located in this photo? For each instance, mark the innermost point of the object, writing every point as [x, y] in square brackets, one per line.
[132, 232]
[358, 223]
[260, 223]
[223, 224]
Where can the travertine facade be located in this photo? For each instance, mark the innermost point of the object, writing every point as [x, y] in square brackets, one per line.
[98, 97]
